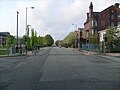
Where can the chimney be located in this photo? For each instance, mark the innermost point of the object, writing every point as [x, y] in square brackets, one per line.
[87, 16]
[91, 10]
[116, 5]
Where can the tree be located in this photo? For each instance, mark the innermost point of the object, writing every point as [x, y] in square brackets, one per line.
[57, 42]
[70, 39]
[48, 40]
[22, 40]
[112, 39]
[117, 45]
[40, 41]
[32, 38]
[61, 43]
[28, 40]
[92, 39]
[10, 40]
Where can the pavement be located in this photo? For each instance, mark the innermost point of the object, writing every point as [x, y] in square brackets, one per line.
[29, 53]
[96, 53]
[109, 56]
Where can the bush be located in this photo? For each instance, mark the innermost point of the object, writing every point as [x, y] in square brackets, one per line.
[4, 52]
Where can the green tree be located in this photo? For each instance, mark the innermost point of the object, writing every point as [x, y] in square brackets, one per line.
[61, 43]
[112, 38]
[92, 39]
[48, 40]
[22, 40]
[28, 43]
[57, 42]
[70, 39]
[32, 38]
[117, 45]
[10, 40]
[40, 41]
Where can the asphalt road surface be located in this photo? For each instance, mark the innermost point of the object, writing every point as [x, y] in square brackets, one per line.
[59, 69]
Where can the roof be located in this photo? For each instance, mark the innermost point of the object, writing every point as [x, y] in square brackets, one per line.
[4, 33]
[107, 8]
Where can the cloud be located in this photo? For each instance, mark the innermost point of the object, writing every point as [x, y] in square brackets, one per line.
[35, 17]
[71, 12]
[99, 5]
[55, 16]
[58, 17]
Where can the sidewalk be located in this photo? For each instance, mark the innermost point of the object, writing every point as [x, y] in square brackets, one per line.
[29, 53]
[112, 54]
[96, 53]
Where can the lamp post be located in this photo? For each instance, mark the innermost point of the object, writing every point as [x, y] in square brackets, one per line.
[26, 17]
[43, 36]
[26, 26]
[27, 32]
[17, 34]
[76, 39]
[75, 25]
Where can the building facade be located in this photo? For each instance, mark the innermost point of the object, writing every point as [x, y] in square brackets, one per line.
[91, 26]
[110, 17]
[98, 21]
[3, 38]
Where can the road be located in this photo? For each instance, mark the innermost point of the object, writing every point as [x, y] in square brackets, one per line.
[59, 69]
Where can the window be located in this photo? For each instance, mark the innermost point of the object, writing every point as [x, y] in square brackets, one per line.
[118, 24]
[92, 31]
[87, 34]
[112, 24]
[94, 22]
[112, 16]
[118, 16]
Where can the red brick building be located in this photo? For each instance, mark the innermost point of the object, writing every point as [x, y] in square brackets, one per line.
[97, 21]
[110, 17]
[91, 26]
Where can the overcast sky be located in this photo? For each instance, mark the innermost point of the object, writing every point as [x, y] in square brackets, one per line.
[55, 17]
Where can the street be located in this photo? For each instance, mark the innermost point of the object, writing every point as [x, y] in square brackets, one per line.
[59, 69]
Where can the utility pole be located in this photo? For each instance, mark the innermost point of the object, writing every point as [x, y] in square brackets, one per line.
[26, 28]
[76, 37]
[17, 34]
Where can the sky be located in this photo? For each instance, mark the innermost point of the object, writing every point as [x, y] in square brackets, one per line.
[54, 17]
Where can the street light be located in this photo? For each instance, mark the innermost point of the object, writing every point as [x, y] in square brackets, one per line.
[75, 25]
[26, 16]
[27, 32]
[43, 35]
[76, 41]
[17, 33]
[26, 27]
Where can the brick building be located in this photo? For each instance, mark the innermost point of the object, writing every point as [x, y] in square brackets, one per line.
[97, 21]
[110, 17]
[91, 26]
